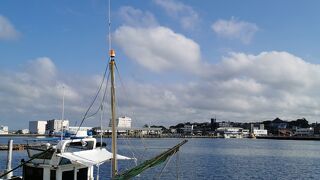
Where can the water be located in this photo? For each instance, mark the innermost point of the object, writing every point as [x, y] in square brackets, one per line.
[217, 158]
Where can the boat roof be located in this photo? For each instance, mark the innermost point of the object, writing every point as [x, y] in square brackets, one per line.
[91, 157]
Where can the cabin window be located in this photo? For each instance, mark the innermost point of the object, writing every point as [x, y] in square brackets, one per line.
[53, 175]
[32, 173]
[82, 174]
[64, 161]
[35, 152]
[80, 145]
[67, 175]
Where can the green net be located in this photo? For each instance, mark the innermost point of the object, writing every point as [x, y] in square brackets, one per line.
[150, 163]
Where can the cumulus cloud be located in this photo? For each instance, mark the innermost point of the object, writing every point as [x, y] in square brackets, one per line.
[137, 18]
[186, 15]
[159, 48]
[235, 29]
[33, 92]
[7, 30]
[267, 84]
[242, 87]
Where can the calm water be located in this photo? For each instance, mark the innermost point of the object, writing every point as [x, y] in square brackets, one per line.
[216, 158]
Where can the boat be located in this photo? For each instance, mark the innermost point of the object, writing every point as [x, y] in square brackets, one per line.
[75, 158]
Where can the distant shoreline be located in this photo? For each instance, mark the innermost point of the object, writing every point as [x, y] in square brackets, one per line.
[314, 138]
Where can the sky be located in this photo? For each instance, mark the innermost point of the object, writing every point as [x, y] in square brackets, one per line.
[178, 60]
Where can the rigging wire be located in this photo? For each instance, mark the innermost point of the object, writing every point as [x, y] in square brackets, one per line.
[94, 99]
[104, 94]
[177, 165]
[141, 156]
[164, 167]
[126, 141]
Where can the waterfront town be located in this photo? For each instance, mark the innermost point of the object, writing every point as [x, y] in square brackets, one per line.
[213, 128]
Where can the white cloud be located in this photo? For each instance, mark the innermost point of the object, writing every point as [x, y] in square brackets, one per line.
[137, 18]
[242, 87]
[235, 29]
[7, 30]
[186, 15]
[33, 92]
[159, 48]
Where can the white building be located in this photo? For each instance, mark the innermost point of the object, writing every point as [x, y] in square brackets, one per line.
[4, 130]
[122, 122]
[22, 131]
[260, 132]
[37, 127]
[230, 132]
[304, 132]
[79, 132]
[55, 125]
[245, 132]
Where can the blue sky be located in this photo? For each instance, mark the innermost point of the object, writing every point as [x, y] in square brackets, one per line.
[202, 56]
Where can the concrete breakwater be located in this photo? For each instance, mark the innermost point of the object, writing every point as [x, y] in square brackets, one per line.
[16, 147]
[312, 138]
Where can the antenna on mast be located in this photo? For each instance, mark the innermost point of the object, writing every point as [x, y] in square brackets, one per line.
[109, 24]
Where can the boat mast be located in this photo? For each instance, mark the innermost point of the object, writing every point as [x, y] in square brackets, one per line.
[112, 54]
[62, 114]
[113, 116]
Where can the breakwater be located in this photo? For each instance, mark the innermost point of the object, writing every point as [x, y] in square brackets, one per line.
[312, 138]
[16, 147]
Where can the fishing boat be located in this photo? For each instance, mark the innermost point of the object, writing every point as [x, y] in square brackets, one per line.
[75, 158]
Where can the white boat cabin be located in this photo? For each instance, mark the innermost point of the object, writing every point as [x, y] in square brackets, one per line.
[69, 159]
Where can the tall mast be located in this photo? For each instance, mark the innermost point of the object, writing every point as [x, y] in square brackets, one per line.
[112, 54]
[113, 116]
[62, 114]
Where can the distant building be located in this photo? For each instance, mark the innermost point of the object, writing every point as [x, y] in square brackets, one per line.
[4, 130]
[37, 127]
[188, 129]
[256, 126]
[245, 132]
[122, 122]
[132, 131]
[224, 124]
[173, 131]
[24, 131]
[260, 132]
[78, 131]
[304, 132]
[230, 132]
[55, 125]
[213, 124]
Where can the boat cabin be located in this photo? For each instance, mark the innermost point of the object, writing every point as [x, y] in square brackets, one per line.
[49, 161]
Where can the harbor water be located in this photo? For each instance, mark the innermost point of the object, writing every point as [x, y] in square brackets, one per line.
[204, 158]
